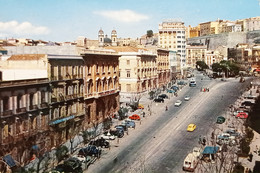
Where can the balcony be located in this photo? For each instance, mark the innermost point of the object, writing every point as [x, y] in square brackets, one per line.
[33, 107]
[21, 110]
[7, 113]
[105, 93]
[44, 105]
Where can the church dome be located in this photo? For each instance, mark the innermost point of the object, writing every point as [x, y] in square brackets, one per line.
[113, 31]
[101, 32]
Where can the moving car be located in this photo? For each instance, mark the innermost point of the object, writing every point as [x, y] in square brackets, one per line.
[107, 136]
[191, 127]
[187, 98]
[221, 120]
[159, 99]
[135, 117]
[178, 103]
[140, 106]
[100, 143]
[242, 115]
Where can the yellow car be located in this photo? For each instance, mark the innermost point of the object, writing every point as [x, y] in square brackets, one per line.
[191, 127]
[140, 106]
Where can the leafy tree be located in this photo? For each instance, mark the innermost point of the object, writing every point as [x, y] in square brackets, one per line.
[61, 152]
[201, 65]
[149, 33]
[122, 112]
[152, 94]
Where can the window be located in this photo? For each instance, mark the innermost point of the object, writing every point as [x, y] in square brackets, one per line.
[128, 74]
[19, 101]
[6, 104]
[128, 87]
[103, 68]
[128, 62]
[97, 68]
[42, 96]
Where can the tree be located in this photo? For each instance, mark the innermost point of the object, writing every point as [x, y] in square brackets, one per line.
[149, 33]
[61, 152]
[201, 65]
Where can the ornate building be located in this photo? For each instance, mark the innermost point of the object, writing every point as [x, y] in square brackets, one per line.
[195, 53]
[105, 41]
[24, 117]
[163, 67]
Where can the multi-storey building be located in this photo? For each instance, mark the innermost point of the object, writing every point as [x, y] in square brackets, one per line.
[79, 92]
[101, 85]
[163, 67]
[172, 37]
[208, 28]
[24, 118]
[250, 24]
[138, 71]
[195, 53]
[193, 31]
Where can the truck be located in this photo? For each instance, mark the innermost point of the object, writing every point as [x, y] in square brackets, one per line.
[191, 161]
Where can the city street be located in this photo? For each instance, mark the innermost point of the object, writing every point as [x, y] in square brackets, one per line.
[160, 142]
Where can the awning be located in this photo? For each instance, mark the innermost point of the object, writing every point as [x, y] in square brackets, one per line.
[9, 160]
[61, 120]
[210, 150]
[35, 147]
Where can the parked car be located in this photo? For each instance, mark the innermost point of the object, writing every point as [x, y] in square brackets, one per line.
[164, 96]
[124, 127]
[135, 117]
[247, 103]
[100, 143]
[191, 127]
[181, 83]
[171, 91]
[232, 132]
[129, 124]
[81, 158]
[187, 98]
[221, 120]
[70, 165]
[236, 112]
[242, 115]
[90, 150]
[108, 136]
[159, 99]
[117, 132]
[178, 103]
[175, 88]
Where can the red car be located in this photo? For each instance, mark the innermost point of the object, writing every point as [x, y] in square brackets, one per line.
[135, 117]
[242, 115]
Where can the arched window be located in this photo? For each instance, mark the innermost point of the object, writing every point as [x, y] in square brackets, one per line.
[5, 103]
[19, 101]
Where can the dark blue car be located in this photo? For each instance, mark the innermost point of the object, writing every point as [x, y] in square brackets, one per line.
[90, 150]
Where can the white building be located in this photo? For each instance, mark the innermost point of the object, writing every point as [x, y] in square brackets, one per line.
[172, 37]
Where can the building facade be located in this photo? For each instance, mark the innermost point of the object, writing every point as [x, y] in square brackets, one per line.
[163, 67]
[24, 117]
[195, 53]
[172, 37]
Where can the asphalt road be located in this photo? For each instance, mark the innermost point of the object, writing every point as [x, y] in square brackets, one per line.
[163, 144]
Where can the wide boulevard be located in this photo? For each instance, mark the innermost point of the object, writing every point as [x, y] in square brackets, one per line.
[161, 142]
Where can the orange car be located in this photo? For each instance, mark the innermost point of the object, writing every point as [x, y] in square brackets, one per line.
[135, 117]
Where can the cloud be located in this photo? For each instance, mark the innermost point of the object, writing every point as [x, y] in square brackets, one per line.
[123, 15]
[24, 28]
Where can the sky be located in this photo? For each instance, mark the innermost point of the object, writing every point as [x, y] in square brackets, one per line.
[65, 20]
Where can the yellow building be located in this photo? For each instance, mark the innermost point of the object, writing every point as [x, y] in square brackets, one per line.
[209, 28]
[193, 31]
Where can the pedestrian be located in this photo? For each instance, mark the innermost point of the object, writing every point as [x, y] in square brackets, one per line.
[250, 157]
[200, 140]
[204, 140]
[166, 108]
[256, 149]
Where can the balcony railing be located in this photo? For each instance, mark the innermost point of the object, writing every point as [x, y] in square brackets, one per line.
[33, 107]
[6, 113]
[44, 105]
[21, 110]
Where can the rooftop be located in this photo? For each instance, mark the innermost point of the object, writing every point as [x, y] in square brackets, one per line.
[27, 57]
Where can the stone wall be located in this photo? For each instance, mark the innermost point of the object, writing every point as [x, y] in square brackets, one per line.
[229, 40]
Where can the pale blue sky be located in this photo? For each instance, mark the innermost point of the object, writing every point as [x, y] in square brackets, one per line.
[65, 20]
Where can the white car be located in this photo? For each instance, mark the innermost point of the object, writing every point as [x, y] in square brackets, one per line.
[108, 136]
[80, 158]
[187, 98]
[178, 103]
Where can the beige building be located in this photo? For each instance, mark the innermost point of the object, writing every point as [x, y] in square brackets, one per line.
[172, 36]
[194, 54]
[250, 24]
[193, 31]
[138, 72]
